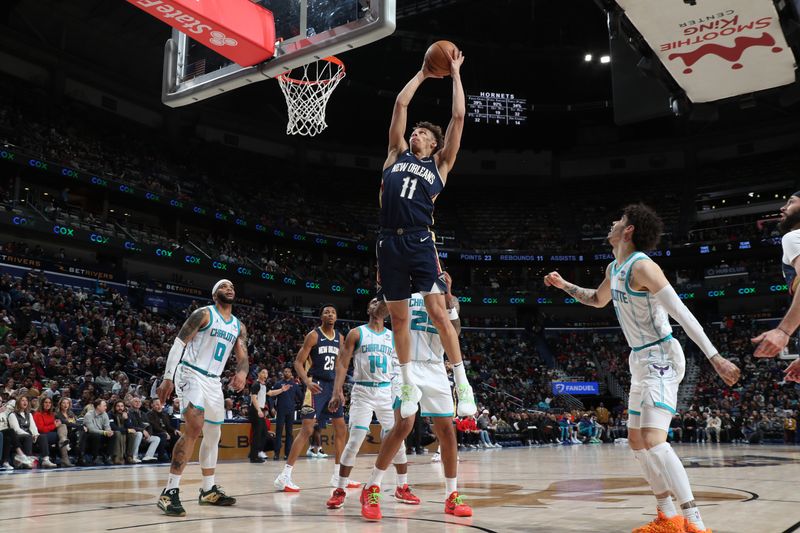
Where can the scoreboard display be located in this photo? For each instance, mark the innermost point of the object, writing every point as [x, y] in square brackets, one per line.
[504, 109]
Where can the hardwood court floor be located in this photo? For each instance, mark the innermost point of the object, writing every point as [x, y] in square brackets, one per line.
[578, 488]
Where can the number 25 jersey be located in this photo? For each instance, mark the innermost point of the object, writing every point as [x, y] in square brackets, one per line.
[408, 190]
[323, 356]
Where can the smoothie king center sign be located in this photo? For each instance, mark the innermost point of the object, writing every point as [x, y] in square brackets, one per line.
[717, 48]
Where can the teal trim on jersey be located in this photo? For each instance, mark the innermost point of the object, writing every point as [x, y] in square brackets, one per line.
[196, 369]
[628, 277]
[216, 423]
[360, 336]
[650, 344]
[374, 332]
[396, 404]
[376, 384]
[195, 406]
[437, 415]
[632, 412]
[615, 270]
[361, 427]
[210, 319]
[226, 322]
[662, 405]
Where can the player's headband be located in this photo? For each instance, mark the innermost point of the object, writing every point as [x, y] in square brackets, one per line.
[796, 194]
[217, 284]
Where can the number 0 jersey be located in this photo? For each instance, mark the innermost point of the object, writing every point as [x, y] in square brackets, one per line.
[408, 190]
[426, 345]
[373, 358]
[323, 356]
[211, 346]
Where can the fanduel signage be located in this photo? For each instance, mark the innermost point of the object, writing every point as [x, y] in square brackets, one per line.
[575, 387]
[716, 49]
[237, 29]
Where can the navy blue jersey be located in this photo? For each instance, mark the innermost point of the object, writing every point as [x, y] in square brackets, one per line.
[408, 190]
[323, 356]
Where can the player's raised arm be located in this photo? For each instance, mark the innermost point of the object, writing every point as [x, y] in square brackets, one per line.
[342, 364]
[198, 319]
[300, 362]
[598, 297]
[242, 360]
[649, 276]
[446, 157]
[397, 129]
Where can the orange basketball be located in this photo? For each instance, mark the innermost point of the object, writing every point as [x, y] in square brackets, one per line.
[438, 56]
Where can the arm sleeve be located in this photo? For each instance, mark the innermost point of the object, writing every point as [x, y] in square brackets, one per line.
[174, 358]
[669, 299]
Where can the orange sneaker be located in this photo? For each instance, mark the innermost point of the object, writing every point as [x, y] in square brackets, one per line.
[691, 528]
[370, 503]
[404, 495]
[662, 524]
[455, 506]
[336, 500]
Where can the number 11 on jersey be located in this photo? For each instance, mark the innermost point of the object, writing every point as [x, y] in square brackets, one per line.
[411, 190]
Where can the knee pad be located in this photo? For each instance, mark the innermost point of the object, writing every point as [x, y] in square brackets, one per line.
[357, 436]
[400, 457]
[209, 447]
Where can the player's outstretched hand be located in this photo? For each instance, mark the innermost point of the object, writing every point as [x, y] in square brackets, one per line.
[770, 343]
[426, 73]
[792, 372]
[239, 381]
[164, 390]
[554, 279]
[455, 63]
[728, 371]
[313, 387]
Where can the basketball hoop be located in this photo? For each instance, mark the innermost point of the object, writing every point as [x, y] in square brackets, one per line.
[307, 95]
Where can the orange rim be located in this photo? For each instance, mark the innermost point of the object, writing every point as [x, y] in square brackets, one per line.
[330, 59]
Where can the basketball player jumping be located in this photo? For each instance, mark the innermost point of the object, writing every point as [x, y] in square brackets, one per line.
[321, 345]
[371, 347]
[642, 297]
[772, 342]
[414, 174]
[195, 362]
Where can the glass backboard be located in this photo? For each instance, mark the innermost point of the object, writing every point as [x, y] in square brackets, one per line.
[307, 30]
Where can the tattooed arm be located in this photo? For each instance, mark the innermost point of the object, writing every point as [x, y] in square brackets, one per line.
[598, 297]
[242, 360]
[198, 319]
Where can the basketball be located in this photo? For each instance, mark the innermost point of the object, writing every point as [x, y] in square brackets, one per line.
[438, 56]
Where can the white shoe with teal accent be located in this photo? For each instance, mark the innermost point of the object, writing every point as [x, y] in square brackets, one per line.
[409, 399]
[466, 400]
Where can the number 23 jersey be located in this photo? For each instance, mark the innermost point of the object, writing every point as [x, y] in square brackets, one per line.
[408, 190]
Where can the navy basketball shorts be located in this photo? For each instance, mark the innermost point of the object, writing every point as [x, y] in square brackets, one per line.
[408, 263]
[320, 404]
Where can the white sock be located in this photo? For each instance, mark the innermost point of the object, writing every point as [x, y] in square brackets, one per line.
[450, 486]
[402, 479]
[376, 477]
[287, 471]
[336, 479]
[208, 482]
[692, 514]
[174, 481]
[335, 469]
[341, 482]
[405, 374]
[666, 506]
[459, 374]
[666, 462]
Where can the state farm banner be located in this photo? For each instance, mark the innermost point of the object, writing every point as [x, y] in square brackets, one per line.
[717, 48]
[237, 29]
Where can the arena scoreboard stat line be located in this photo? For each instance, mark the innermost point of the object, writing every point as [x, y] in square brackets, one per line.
[505, 109]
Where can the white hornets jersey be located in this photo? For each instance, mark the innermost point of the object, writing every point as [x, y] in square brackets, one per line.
[373, 358]
[209, 349]
[644, 322]
[425, 342]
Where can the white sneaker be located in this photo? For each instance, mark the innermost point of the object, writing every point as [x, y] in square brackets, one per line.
[437, 458]
[311, 453]
[137, 460]
[7, 466]
[284, 483]
[149, 458]
[498, 445]
[321, 454]
[409, 399]
[23, 461]
[466, 400]
[262, 455]
[47, 463]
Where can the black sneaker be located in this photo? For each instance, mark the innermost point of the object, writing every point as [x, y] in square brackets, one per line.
[215, 496]
[170, 503]
[257, 460]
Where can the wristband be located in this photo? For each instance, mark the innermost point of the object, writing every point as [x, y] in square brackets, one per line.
[452, 314]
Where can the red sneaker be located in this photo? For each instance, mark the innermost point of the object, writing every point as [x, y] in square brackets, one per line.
[455, 506]
[370, 503]
[404, 495]
[337, 499]
[353, 484]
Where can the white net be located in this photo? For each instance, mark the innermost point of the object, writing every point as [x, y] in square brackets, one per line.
[307, 95]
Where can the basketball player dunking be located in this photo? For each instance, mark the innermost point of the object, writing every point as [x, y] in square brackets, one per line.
[195, 362]
[642, 298]
[322, 346]
[414, 174]
[371, 348]
[772, 342]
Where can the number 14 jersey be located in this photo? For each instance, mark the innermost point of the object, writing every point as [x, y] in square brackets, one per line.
[408, 190]
[374, 359]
